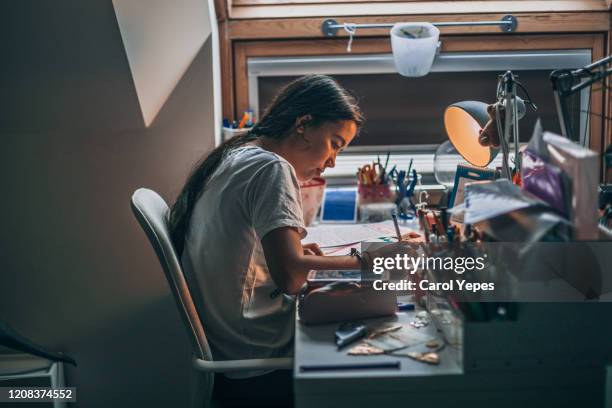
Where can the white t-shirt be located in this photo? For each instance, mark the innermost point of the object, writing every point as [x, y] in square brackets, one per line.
[252, 192]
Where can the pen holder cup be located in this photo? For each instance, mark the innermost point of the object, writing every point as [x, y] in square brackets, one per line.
[414, 47]
[229, 133]
[376, 193]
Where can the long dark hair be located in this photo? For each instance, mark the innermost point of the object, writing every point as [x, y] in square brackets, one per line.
[319, 96]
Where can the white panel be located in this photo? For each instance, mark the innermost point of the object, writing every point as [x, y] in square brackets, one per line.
[161, 39]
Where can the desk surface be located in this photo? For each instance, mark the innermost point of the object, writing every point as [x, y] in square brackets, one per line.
[420, 384]
[315, 345]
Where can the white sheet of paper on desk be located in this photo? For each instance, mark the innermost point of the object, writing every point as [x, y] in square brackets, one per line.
[327, 235]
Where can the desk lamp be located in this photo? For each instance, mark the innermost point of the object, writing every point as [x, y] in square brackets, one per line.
[466, 121]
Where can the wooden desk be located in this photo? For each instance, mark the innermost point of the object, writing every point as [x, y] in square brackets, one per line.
[315, 345]
[547, 359]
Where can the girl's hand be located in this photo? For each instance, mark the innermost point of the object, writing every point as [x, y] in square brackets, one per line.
[312, 249]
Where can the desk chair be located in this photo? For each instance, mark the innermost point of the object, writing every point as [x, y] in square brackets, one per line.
[151, 211]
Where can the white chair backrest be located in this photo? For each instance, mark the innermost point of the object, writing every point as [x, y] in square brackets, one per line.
[151, 211]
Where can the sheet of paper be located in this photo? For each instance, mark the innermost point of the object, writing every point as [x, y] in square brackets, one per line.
[488, 200]
[336, 235]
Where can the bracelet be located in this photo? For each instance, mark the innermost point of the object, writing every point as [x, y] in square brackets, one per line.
[354, 252]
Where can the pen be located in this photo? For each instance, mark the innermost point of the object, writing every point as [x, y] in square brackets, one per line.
[397, 230]
[423, 224]
[355, 366]
[412, 184]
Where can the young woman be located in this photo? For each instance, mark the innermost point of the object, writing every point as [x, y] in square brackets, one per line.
[238, 221]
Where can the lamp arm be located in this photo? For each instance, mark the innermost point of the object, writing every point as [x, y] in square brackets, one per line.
[506, 96]
[515, 131]
[503, 143]
[595, 78]
[563, 86]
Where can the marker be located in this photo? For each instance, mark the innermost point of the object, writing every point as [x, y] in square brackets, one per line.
[245, 117]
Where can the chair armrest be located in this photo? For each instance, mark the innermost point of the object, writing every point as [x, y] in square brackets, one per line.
[225, 366]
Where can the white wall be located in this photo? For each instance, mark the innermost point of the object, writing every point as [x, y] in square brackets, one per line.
[76, 272]
[161, 39]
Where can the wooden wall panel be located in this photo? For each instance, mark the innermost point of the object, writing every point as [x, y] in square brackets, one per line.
[597, 104]
[452, 7]
[527, 23]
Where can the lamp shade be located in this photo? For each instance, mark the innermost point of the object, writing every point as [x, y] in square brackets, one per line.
[463, 122]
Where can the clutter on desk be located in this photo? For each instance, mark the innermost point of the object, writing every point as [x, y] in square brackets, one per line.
[487, 200]
[421, 319]
[339, 205]
[405, 306]
[446, 159]
[560, 181]
[546, 181]
[436, 226]
[581, 167]
[246, 120]
[238, 127]
[374, 183]
[570, 184]
[318, 278]
[380, 189]
[374, 365]
[344, 301]
[399, 340]
[467, 173]
[344, 235]
[364, 349]
[527, 227]
[376, 212]
[428, 357]
[349, 332]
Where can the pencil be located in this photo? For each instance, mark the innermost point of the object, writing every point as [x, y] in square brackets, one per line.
[397, 230]
[352, 366]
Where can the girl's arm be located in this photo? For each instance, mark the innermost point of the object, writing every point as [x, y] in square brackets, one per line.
[289, 266]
